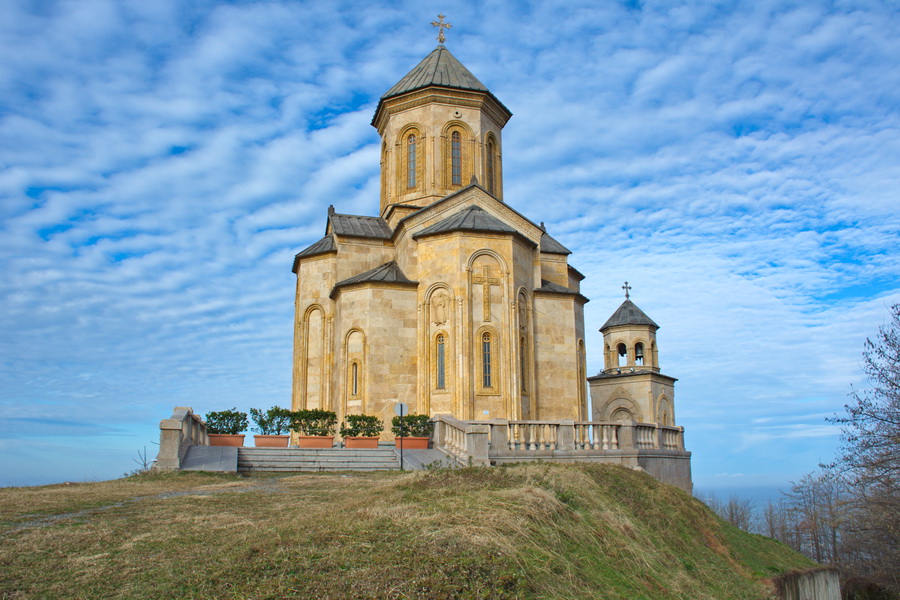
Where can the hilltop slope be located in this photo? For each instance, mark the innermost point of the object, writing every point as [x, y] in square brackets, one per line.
[526, 531]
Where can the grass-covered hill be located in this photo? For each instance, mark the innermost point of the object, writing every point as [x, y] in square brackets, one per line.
[524, 531]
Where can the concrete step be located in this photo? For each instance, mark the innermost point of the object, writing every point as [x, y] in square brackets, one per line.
[313, 460]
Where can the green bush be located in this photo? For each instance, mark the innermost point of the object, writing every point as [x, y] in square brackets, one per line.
[275, 421]
[228, 422]
[313, 421]
[412, 426]
[361, 426]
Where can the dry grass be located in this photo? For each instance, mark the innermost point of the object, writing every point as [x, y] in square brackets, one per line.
[529, 531]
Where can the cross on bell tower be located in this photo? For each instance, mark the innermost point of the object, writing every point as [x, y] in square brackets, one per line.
[627, 289]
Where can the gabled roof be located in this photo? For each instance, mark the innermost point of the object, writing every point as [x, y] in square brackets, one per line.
[628, 314]
[438, 68]
[473, 218]
[551, 246]
[386, 273]
[358, 226]
[323, 246]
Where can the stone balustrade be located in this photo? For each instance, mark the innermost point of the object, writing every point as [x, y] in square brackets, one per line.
[658, 449]
[182, 430]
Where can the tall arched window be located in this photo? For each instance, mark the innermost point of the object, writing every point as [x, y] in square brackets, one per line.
[354, 384]
[623, 355]
[440, 364]
[490, 166]
[486, 360]
[455, 159]
[411, 161]
[523, 368]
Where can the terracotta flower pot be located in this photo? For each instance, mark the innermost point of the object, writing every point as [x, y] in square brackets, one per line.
[412, 443]
[360, 442]
[224, 439]
[271, 441]
[315, 441]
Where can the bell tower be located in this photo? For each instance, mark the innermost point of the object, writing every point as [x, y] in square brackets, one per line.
[439, 127]
[631, 387]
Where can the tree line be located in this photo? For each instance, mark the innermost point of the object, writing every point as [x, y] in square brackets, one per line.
[847, 513]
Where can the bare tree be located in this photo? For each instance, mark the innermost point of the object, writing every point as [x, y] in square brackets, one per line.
[870, 456]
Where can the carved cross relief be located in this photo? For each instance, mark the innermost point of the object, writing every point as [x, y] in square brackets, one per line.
[486, 281]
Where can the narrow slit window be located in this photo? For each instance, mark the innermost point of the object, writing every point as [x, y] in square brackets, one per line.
[355, 378]
[486, 360]
[455, 159]
[490, 166]
[522, 364]
[441, 365]
[411, 161]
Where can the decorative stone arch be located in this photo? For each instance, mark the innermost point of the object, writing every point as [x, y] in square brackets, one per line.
[493, 176]
[664, 413]
[487, 252]
[478, 276]
[523, 345]
[456, 154]
[405, 157]
[608, 356]
[354, 351]
[617, 408]
[639, 353]
[617, 354]
[312, 360]
[439, 315]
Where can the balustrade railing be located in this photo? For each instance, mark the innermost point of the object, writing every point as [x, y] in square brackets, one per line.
[176, 434]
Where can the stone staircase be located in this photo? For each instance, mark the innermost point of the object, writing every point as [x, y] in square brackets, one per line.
[256, 460]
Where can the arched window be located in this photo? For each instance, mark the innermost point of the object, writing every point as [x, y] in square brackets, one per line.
[455, 159]
[354, 376]
[440, 364]
[490, 166]
[411, 161]
[522, 364]
[639, 353]
[623, 354]
[486, 360]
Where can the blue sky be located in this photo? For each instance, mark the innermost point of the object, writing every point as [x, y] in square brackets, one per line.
[161, 163]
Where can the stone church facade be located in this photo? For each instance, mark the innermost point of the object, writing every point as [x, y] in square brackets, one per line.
[450, 300]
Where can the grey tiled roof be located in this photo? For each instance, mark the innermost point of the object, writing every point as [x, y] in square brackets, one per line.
[323, 246]
[473, 218]
[357, 226]
[555, 288]
[628, 314]
[551, 246]
[438, 68]
[549, 286]
[388, 272]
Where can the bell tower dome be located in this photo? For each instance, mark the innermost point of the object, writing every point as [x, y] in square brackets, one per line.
[439, 127]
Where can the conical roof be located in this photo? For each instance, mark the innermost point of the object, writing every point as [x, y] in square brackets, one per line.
[628, 314]
[438, 68]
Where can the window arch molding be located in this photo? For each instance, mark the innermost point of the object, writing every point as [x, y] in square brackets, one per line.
[410, 166]
[664, 414]
[492, 170]
[456, 154]
[645, 352]
[622, 403]
[488, 361]
[355, 376]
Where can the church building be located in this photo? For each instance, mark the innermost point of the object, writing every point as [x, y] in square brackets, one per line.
[450, 300]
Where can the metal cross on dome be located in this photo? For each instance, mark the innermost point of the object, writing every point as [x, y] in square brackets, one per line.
[441, 27]
[627, 289]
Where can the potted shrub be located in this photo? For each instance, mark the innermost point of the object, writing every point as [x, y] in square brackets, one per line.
[413, 431]
[315, 426]
[225, 426]
[272, 427]
[361, 431]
